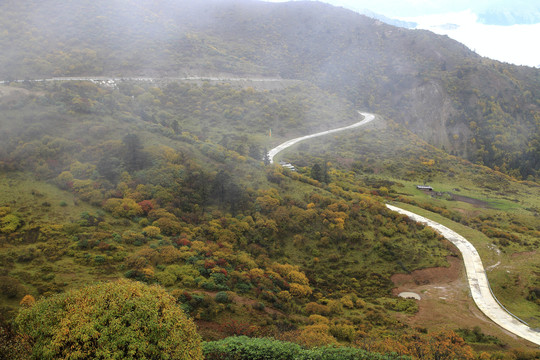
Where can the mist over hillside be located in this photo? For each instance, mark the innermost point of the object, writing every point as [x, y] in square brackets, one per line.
[473, 107]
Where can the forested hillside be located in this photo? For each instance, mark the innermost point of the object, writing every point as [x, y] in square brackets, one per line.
[185, 212]
[482, 110]
[163, 180]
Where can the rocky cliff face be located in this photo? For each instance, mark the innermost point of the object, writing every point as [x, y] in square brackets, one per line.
[431, 110]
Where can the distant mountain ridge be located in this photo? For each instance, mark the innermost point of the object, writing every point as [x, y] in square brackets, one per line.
[388, 20]
[473, 107]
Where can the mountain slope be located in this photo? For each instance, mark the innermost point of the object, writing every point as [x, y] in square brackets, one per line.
[431, 83]
[136, 196]
[480, 109]
[162, 180]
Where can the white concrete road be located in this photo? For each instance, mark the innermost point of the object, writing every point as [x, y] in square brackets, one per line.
[150, 79]
[477, 279]
[272, 153]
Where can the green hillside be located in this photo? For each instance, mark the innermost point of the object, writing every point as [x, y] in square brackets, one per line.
[97, 188]
[162, 180]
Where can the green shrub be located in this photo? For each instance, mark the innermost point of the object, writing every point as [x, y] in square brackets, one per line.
[151, 231]
[100, 259]
[408, 306]
[9, 223]
[166, 278]
[476, 336]
[11, 287]
[343, 332]
[222, 297]
[245, 348]
[242, 347]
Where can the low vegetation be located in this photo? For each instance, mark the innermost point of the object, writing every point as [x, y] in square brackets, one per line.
[159, 189]
[304, 256]
[263, 348]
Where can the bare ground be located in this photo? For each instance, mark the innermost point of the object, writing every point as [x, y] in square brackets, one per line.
[10, 90]
[446, 303]
[469, 200]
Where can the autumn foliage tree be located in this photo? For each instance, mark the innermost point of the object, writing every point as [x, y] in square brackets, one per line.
[445, 345]
[116, 320]
[123, 207]
[27, 301]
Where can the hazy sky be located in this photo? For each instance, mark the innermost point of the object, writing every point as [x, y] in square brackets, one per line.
[401, 8]
[511, 43]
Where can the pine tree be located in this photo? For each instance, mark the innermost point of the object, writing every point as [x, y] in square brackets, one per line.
[266, 157]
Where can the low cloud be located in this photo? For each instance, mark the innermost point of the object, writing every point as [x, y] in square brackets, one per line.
[512, 44]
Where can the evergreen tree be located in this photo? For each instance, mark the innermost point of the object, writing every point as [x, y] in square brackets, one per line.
[255, 151]
[320, 173]
[326, 177]
[110, 168]
[175, 126]
[134, 156]
[266, 158]
[220, 186]
[316, 172]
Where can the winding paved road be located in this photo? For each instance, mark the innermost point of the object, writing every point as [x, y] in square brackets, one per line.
[272, 153]
[476, 275]
[478, 283]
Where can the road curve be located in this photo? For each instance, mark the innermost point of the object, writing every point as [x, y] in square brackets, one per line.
[477, 279]
[272, 153]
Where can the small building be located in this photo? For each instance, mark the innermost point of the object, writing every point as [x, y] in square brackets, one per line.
[287, 165]
[424, 187]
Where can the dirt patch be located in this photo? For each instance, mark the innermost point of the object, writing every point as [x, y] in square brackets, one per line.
[469, 200]
[524, 254]
[438, 275]
[443, 291]
[452, 196]
[9, 90]
[446, 302]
